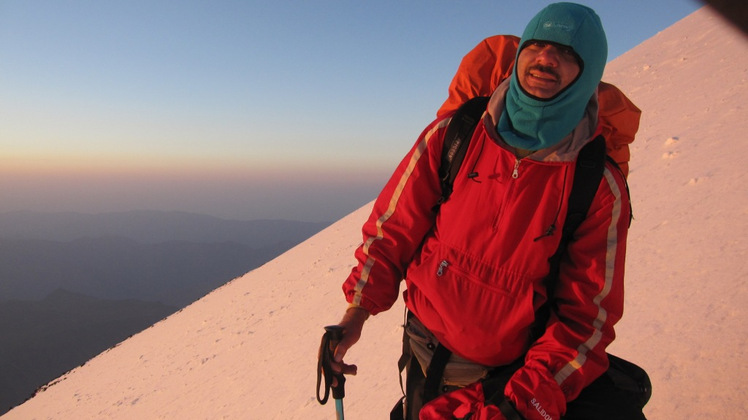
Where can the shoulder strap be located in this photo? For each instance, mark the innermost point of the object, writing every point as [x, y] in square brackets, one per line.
[456, 139]
[589, 170]
[587, 176]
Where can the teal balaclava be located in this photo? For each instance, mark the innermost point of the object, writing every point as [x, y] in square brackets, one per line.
[532, 123]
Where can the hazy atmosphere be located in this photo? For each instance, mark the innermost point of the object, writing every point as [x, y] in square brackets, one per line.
[237, 109]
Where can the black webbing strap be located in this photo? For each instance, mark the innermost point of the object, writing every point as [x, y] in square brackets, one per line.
[435, 372]
[587, 175]
[589, 170]
[402, 362]
[508, 410]
[456, 139]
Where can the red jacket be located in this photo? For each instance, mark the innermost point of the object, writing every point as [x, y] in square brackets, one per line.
[474, 270]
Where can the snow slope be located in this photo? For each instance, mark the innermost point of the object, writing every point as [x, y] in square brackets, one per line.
[687, 279]
[248, 350]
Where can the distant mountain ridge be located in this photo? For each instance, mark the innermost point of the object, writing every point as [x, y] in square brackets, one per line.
[73, 284]
[175, 272]
[43, 339]
[154, 226]
[171, 257]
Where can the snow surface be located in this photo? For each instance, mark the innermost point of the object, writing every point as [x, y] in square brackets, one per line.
[248, 350]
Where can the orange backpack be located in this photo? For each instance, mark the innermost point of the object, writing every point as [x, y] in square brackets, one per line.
[491, 61]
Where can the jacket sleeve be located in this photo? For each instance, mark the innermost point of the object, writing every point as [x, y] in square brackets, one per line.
[402, 215]
[588, 302]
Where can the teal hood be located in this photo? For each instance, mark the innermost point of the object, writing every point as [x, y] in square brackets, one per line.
[532, 123]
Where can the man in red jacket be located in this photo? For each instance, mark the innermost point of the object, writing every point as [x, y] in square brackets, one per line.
[474, 270]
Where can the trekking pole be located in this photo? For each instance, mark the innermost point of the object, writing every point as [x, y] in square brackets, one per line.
[331, 338]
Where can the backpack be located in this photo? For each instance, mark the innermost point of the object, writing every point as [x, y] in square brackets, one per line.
[491, 62]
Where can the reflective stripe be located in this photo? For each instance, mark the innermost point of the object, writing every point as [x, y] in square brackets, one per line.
[610, 266]
[414, 158]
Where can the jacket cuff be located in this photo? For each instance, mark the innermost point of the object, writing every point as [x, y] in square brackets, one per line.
[354, 306]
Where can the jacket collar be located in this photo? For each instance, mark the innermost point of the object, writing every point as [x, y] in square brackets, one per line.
[564, 151]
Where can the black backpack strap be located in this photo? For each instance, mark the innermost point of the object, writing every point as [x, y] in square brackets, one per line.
[587, 176]
[435, 372]
[456, 139]
[589, 170]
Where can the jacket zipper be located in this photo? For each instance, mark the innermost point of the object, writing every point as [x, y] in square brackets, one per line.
[442, 266]
[515, 175]
[515, 172]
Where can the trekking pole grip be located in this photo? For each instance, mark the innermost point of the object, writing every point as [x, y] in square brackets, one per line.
[335, 334]
[330, 339]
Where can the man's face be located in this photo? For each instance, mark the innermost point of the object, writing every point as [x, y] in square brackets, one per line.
[545, 69]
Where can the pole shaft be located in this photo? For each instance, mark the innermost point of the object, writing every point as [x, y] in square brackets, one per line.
[339, 409]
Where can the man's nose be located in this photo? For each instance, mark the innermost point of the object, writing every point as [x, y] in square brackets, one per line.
[548, 55]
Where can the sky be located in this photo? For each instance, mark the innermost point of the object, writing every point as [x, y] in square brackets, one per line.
[238, 109]
[249, 349]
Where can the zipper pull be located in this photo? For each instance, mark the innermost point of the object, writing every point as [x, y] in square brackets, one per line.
[442, 266]
[515, 173]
